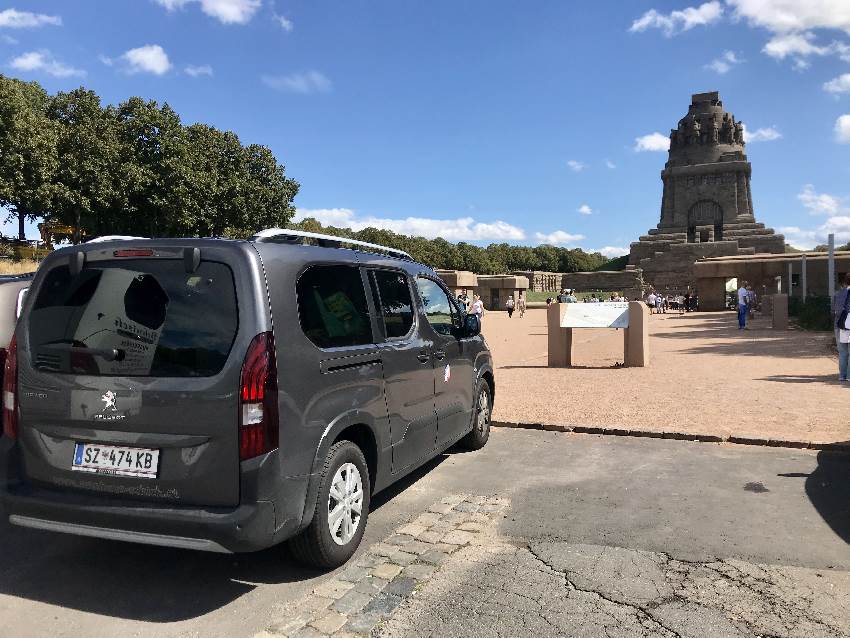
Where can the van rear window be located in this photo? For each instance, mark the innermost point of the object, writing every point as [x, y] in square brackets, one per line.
[134, 317]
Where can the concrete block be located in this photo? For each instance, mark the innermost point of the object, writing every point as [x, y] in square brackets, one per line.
[636, 336]
[560, 339]
[780, 312]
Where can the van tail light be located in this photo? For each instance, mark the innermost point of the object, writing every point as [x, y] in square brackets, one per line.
[10, 391]
[258, 426]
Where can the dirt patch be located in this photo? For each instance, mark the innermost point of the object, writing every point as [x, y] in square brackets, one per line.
[705, 377]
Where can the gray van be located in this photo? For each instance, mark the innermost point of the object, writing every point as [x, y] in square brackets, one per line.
[229, 395]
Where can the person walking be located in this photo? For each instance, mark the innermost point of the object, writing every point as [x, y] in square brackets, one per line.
[477, 308]
[650, 301]
[520, 306]
[743, 299]
[509, 305]
[841, 321]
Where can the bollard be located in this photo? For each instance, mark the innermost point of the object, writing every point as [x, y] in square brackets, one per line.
[560, 339]
[636, 336]
[780, 312]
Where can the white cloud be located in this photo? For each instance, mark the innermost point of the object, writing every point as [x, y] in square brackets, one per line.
[842, 129]
[680, 20]
[7, 39]
[284, 22]
[724, 63]
[841, 84]
[768, 134]
[652, 142]
[792, 22]
[459, 229]
[785, 16]
[820, 203]
[610, 164]
[584, 209]
[809, 238]
[557, 238]
[225, 11]
[44, 62]
[197, 71]
[303, 83]
[150, 58]
[14, 19]
[610, 251]
[576, 166]
[793, 44]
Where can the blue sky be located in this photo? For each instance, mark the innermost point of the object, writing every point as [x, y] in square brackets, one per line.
[481, 120]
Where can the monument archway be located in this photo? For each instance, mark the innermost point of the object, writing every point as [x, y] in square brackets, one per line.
[705, 212]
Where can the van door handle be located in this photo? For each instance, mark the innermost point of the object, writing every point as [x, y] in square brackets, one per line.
[423, 357]
[439, 355]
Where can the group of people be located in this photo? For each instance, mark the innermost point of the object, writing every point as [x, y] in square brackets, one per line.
[567, 295]
[518, 305]
[689, 302]
[473, 307]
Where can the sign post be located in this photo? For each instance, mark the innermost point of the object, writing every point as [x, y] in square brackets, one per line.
[632, 317]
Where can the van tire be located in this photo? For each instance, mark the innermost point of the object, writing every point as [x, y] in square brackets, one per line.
[315, 546]
[477, 439]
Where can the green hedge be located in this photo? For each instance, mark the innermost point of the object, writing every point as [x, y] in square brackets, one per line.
[813, 313]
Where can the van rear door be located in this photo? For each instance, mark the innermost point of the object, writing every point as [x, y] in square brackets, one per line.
[126, 383]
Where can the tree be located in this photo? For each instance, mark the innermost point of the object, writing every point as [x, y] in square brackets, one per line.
[154, 155]
[28, 153]
[90, 188]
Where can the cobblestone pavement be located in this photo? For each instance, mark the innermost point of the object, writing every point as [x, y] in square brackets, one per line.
[552, 588]
[367, 592]
[450, 573]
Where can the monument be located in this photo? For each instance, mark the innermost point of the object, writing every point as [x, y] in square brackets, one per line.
[707, 205]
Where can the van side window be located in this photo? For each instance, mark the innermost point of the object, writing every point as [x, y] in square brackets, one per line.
[442, 314]
[392, 298]
[332, 306]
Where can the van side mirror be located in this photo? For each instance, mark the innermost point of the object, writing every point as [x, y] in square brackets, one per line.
[471, 325]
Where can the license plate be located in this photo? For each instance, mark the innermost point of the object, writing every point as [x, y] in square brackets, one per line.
[116, 460]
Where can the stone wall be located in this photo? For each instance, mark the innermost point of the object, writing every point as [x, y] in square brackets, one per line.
[541, 281]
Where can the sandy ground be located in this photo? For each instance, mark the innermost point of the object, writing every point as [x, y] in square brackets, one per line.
[705, 377]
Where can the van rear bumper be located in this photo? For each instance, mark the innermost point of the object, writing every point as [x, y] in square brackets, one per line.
[251, 526]
[246, 528]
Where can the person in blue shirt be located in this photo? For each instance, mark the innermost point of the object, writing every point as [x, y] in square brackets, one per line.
[841, 320]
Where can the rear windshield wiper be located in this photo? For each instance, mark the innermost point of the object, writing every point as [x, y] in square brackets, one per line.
[108, 354]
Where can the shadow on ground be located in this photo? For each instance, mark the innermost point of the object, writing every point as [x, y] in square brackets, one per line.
[829, 379]
[828, 488]
[142, 582]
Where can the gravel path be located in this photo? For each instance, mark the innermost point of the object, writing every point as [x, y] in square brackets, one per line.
[705, 377]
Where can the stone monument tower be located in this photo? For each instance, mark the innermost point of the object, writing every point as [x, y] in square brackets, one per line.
[706, 206]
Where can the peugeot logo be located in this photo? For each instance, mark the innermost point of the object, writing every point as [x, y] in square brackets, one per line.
[109, 399]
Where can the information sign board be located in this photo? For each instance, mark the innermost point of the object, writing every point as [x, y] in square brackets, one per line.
[596, 315]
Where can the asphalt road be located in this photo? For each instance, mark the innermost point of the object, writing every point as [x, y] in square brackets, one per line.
[691, 502]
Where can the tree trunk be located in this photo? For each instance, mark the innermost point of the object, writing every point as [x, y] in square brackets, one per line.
[22, 234]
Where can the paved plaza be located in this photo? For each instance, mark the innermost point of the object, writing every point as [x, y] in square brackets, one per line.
[598, 536]
[705, 377]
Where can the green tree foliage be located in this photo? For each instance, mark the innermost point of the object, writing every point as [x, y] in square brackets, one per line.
[494, 259]
[28, 153]
[132, 169]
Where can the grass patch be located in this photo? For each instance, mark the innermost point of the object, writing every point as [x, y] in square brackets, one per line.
[17, 267]
[813, 313]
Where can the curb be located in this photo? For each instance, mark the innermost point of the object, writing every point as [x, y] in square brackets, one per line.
[679, 436]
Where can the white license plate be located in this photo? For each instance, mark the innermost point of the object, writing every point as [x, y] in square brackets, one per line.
[113, 459]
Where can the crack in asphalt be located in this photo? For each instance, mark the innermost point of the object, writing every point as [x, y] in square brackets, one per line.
[640, 612]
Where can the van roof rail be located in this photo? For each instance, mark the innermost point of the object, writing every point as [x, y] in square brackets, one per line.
[332, 241]
[104, 238]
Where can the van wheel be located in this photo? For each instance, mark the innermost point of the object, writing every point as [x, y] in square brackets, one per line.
[341, 511]
[476, 439]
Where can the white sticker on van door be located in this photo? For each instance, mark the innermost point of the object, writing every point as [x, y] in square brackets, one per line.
[447, 373]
